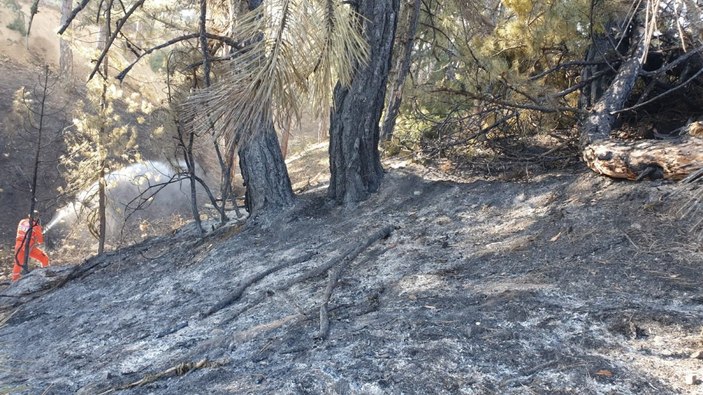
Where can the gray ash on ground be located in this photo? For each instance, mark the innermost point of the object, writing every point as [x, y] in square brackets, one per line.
[567, 283]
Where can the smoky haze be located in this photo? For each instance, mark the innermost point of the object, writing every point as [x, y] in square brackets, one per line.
[143, 199]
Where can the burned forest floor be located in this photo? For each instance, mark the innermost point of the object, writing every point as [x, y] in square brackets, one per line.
[563, 283]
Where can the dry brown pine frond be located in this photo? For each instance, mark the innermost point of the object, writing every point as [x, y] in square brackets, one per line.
[294, 53]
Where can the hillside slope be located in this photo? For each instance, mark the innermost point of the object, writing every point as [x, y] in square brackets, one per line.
[568, 283]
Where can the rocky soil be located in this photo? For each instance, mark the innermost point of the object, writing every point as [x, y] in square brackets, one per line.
[564, 283]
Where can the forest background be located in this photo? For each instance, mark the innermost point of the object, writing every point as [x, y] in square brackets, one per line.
[458, 227]
[502, 88]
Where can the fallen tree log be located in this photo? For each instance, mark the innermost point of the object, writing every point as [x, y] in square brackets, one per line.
[636, 160]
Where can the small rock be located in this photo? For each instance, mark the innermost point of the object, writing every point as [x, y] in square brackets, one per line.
[417, 193]
[691, 379]
[697, 354]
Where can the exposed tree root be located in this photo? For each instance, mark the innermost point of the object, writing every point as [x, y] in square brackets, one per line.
[178, 370]
[341, 259]
[673, 160]
[333, 276]
[6, 317]
[344, 258]
[239, 290]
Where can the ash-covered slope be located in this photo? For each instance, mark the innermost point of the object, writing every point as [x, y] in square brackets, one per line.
[564, 284]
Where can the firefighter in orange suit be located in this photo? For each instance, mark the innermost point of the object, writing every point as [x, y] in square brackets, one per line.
[36, 237]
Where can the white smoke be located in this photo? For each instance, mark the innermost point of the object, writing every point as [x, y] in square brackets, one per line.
[142, 198]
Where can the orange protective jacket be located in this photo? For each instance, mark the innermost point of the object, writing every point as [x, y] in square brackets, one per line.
[37, 237]
[23, 228]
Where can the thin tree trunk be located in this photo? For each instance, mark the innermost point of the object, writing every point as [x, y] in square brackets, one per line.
[203, 42]
[102, 202]
[65, 51]
[401, 73]
[225, 181]
[190, 162]
[35, 174]
[188, 149]
[355, 163]
[102, 134]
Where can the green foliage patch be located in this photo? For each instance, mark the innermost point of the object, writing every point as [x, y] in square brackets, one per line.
[18, 23]
[157, 61]
[13, 5]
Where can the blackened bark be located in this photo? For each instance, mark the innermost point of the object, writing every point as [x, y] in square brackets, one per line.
[102, 199]
[590, 93]
[402, 70]
[264, 172]
[35, 173]
[263, 168]
[355, 163]
[190, 163]
[602, 118]
[605, 56]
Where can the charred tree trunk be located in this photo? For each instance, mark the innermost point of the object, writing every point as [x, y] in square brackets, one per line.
[35, 173]
[602, 118]
[633, 160]
[355, 162]
[264, 171]
[401, 72]
[102, 134]
[263, 168]
[190, 163]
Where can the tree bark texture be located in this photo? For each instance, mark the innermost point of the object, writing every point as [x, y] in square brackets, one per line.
[670, 159]
[355, 163]
[35, 170]
[673, 160]
[401, 72]
[103, 43]
[65, 51]
[602, 118]
[264, 172]
[263, 168]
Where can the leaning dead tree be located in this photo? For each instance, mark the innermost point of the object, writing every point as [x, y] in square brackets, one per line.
[659, 79]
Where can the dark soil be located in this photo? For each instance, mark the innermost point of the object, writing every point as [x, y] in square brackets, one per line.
[562, 284]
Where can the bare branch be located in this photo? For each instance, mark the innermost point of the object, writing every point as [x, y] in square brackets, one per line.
[563, 66]
[109, 41]
[75, 12]
[176, 40]
[659, 96]
[509, 104]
